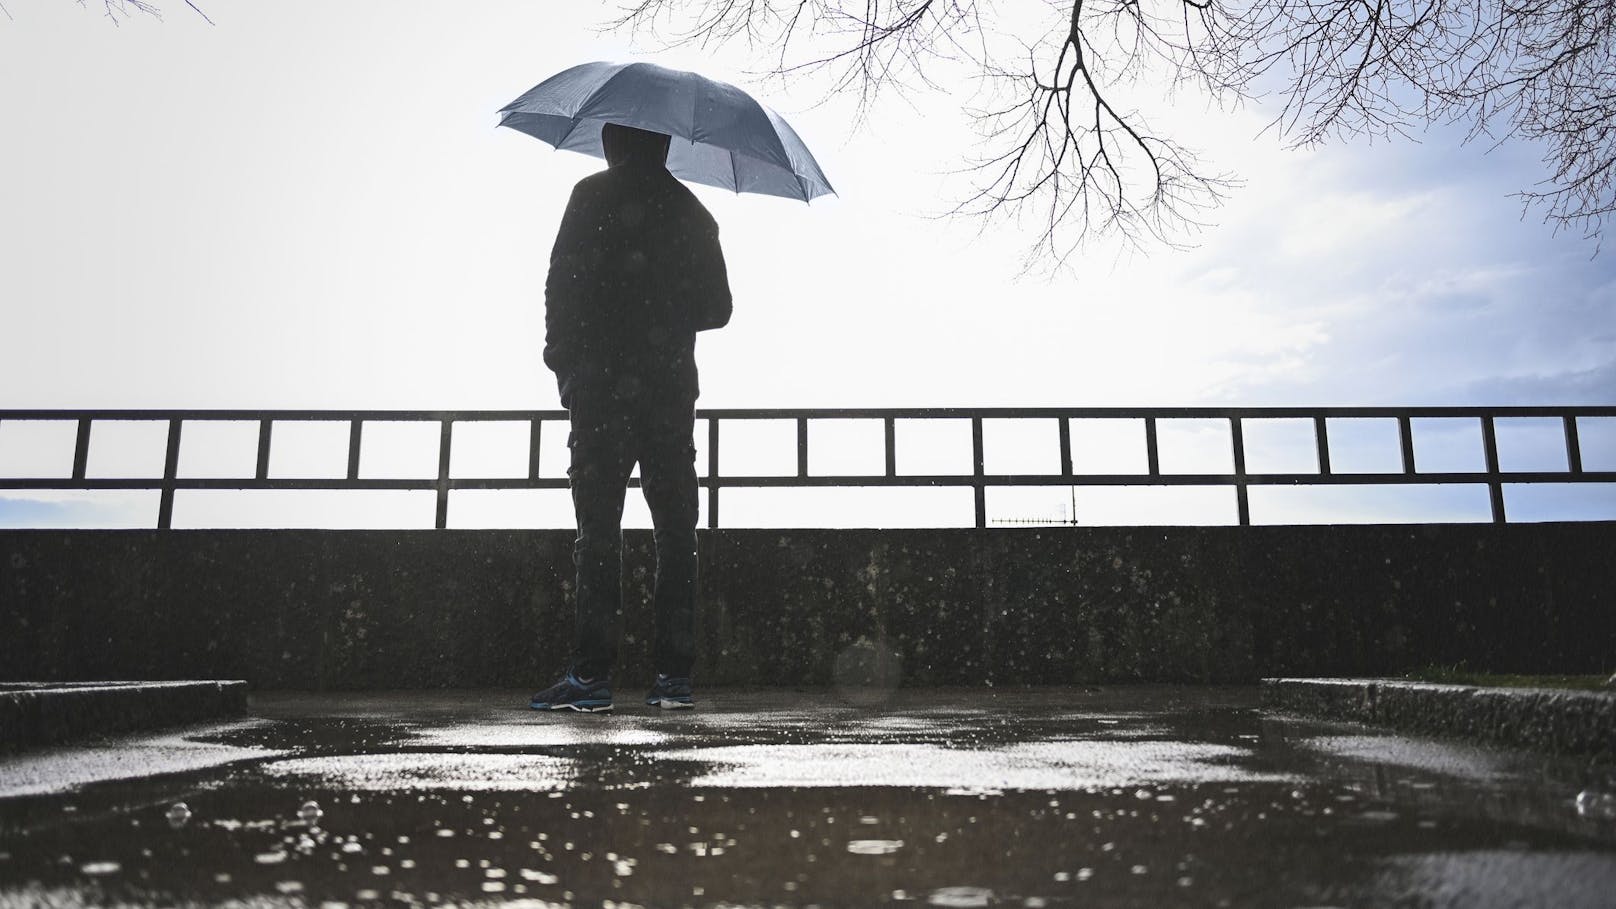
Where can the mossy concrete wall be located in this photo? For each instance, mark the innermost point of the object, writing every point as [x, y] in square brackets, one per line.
[404, 609]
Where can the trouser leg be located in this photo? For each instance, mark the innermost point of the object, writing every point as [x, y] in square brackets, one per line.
[668, 478]
[601, 462]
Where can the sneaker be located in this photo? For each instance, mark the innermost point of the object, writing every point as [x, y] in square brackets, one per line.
[670, 694]
[573, 693]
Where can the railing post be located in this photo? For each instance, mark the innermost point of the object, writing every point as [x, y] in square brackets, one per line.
[1405, 442]
[977, 461]
[890, 432]
[712, 473]
[802, 446]
[1321, 436]
[355, 430]
[1152, 454]
[1065, 445]
[534, 427]
[445, 437]
[81, 449]
[1495, 486]
[1573, 444]
[171, 464]
[1242, 504]
[266, 427]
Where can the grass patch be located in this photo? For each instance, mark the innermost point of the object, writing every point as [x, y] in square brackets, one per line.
[1461, 675]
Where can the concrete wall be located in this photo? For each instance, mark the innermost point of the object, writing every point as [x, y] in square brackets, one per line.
[391, 609]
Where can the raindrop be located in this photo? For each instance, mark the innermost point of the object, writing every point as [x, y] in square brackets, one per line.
[178, 814]
[101, 868]
[310, 813]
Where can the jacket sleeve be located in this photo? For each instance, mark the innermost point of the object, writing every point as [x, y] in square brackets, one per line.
[712, 296]
[565, 306]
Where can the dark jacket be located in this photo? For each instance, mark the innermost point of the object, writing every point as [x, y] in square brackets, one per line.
[636, 271]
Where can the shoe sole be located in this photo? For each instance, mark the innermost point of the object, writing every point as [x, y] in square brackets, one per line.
[670, 704]
[584, 707]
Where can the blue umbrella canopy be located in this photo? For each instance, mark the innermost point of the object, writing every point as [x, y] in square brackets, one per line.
[721, 135]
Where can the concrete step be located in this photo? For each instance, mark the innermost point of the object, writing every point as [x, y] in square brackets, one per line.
[46, 713]
[1556, 721]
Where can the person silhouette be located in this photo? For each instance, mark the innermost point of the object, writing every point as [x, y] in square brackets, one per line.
[635, 273]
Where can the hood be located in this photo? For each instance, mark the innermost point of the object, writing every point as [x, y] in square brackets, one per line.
[628, 145]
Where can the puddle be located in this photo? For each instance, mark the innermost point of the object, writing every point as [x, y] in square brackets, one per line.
[454, 799]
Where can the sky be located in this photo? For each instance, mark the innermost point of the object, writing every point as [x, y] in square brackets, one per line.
[308, 205]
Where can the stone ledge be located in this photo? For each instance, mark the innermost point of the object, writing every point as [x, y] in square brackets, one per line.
[378, 609]
[38, 713]
[1573, 723]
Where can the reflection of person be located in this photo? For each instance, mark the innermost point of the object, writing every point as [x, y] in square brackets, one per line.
[635, 273]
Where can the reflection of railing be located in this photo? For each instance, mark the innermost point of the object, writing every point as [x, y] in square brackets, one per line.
[978, 479]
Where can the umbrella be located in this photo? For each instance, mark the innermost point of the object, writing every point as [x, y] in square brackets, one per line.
[732, 141]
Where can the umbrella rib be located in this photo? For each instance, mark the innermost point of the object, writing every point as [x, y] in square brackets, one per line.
[735, 172]
[568, 134]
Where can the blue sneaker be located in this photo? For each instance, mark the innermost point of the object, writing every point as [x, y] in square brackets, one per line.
[573, 693]
[670, 694]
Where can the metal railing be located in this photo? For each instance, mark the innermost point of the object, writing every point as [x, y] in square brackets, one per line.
[978, 480]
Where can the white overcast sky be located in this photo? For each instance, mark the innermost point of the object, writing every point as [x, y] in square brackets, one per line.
[308, 205]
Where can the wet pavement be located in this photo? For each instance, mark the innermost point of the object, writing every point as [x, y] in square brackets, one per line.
[1155, 796]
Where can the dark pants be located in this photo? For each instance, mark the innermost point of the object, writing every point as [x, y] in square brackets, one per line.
[609, 434]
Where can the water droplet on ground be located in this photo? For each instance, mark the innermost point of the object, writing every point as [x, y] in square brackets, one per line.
[961, 897]
[1598, 805]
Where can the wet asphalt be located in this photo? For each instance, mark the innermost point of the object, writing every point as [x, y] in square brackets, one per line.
[1143, 796]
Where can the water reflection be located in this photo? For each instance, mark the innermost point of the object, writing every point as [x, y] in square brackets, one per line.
[1030, 803]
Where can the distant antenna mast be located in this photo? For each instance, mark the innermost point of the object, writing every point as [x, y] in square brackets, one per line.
[1070, 520]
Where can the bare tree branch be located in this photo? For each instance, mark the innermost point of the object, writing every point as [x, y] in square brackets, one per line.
[1056, 141]
[119, 10]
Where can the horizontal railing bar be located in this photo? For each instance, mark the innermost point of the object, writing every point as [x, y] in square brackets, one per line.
[1246, 413]
[380, 416]
[761, 482]
[823, 413]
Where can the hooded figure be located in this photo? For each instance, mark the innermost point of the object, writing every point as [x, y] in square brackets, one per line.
[635, 273]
